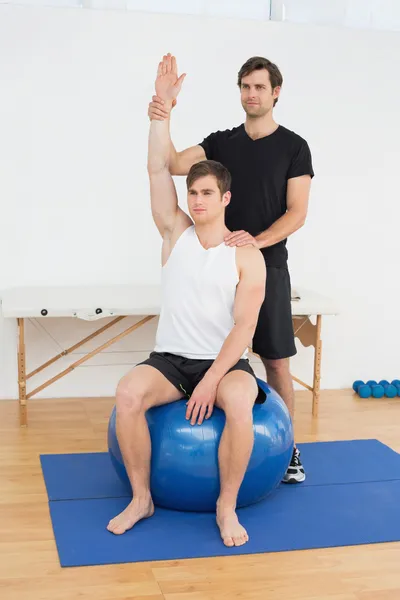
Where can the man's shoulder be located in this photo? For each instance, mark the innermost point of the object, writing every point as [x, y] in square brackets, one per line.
[227, 134]
[250, 258]
[291, 136]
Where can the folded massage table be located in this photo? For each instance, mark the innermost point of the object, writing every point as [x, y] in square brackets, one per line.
[115, 302]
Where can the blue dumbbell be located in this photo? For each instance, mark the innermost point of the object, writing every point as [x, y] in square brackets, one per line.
[384, 382]
[390, 391]
[378, 391]
[364, 391]
[396, 383]
[372, 382]
[357, 384]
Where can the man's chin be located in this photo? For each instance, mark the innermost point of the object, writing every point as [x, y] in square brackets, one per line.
[254, 112]
[200, 218]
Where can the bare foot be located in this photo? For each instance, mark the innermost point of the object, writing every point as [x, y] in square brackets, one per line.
[232, 532]
[138, 509]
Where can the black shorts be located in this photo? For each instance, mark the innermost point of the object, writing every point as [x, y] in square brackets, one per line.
[186, 373]
[274, 336]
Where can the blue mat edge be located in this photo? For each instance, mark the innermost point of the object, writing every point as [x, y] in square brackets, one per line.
[43, 458]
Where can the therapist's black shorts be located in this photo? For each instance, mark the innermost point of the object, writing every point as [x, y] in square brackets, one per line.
[186, 373]
[274, 336]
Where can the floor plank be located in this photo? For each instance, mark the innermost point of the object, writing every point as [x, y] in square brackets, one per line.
[29, 566]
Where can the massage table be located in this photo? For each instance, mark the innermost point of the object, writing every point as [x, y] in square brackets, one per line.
[115, 302]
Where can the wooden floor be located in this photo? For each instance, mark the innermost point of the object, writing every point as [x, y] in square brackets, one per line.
[29, 567]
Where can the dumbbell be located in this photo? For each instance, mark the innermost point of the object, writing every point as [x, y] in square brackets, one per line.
[362, 389]
[391, 391]
[357, 384]
[396, 383]
[377, 390]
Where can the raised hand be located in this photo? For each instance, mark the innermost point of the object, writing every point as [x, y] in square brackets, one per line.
[168, 84]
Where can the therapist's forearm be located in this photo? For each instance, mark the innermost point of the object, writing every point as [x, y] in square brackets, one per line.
[290, 222]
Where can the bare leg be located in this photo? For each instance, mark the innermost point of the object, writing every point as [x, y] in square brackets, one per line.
[236, 395]
[142, 388]
[278, 376]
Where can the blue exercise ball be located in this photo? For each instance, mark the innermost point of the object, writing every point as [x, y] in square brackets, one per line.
[184, 460]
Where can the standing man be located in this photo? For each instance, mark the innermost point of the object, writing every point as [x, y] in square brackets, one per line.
[271, 171]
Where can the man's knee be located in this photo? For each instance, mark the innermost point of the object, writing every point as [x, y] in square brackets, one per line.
[131, 395]
[237, 402]
[279, 366]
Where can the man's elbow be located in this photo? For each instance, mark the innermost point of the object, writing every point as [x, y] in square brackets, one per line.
[299, 219]
[302, 218]
[176, 165]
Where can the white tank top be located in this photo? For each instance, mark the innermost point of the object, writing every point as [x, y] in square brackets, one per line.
[198, 288]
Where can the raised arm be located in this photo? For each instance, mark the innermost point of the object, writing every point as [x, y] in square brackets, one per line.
[179, 162]
[164, 202]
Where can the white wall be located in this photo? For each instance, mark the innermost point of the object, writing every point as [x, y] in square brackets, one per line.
[363, 14]
[73, 186]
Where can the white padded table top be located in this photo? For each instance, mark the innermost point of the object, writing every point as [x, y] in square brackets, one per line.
[82, 301]
[96, 302]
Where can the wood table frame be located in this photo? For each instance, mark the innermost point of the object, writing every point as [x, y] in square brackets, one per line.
[308, 334]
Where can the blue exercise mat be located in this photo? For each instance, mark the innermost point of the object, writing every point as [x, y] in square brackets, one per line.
[81, 476]
[351, 496]
[292, 518]
[91, 475]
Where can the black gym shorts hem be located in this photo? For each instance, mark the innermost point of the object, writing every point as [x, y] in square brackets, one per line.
[186, 373]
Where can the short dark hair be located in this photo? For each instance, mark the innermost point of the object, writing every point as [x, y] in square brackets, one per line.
[256, 63]
[210, 167]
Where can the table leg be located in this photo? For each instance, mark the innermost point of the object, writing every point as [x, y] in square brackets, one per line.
[22, 373]
[310, 335]
[317, 367]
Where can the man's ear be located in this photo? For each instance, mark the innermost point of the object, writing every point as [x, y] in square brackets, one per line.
[276, 92]
[226, 198]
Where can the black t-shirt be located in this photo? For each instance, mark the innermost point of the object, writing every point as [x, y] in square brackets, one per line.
[260, 170]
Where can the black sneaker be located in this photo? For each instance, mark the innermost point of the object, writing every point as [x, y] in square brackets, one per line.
[295, 472]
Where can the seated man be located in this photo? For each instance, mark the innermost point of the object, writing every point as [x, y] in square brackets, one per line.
[211, 296]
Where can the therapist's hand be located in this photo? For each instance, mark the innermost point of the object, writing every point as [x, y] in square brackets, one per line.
[241, 238]
[157, 110]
